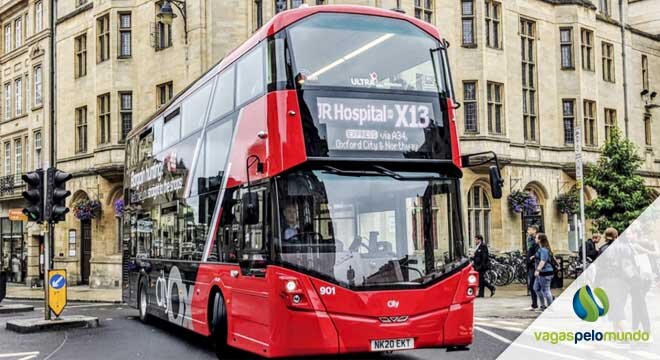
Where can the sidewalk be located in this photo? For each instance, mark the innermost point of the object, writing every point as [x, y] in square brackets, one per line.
[74, 294]
[510, 302]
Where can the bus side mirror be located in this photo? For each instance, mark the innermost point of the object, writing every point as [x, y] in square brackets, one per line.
[496, 182]
[250, 208]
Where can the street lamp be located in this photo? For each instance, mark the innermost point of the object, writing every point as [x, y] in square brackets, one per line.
[166, 14]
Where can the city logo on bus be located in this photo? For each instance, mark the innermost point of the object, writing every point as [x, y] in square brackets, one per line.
[393, 304]
[175, 298]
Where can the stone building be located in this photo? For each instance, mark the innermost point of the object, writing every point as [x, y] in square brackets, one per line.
[24, 115]
[117, 63]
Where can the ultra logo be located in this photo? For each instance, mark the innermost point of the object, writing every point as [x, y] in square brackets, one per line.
[585, 305]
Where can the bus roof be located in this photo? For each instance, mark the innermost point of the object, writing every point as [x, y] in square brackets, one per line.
[273, 26]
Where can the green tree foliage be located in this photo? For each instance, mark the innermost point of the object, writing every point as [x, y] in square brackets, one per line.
[622, 196]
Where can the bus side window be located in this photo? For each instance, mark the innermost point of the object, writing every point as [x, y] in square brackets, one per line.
[226, 241]
[255, 245]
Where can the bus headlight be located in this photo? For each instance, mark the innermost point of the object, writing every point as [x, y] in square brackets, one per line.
[472, 279]
[291, 286]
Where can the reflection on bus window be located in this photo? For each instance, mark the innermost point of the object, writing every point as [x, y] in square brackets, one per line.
[349, 51]
[194, 109]
[223, 102]
[250, 76]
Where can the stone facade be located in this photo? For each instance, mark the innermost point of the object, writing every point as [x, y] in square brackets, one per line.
[542, 164]
[24, 115]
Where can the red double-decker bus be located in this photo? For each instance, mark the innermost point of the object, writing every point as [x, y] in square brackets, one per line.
[303, 196]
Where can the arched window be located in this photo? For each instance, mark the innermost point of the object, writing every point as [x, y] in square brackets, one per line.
[478, 213]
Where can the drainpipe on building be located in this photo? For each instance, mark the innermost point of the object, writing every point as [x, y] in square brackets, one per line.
[625, 68]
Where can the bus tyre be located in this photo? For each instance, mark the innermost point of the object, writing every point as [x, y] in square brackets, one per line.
[219, 326]
[143, 303]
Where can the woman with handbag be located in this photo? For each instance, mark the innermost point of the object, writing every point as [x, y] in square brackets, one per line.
[543, 272]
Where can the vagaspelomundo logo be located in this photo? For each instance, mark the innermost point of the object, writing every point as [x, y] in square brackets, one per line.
[585, 305]
[590, 305]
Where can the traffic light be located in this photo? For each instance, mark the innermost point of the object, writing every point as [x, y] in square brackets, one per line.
[34, 195]
[56, 209]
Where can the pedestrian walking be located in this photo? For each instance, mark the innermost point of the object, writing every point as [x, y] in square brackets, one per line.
[543, 271]
[531, 254]
[15, 269]
[482, 264]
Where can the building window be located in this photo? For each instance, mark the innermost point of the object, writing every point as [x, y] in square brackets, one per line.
[493, 24]
[258, 14]
[610, 123]
[81, 2]
[7, 39]
[19, 96]
[645, 72]
[126, 112]
[164, 92]
[528, 42]
[605, 7]
[125, 49]
[587, 49]
[8, 101]
[81, 55]
[81, 129]
[38, 16]
[608, 62]
[103, 38]
[424, 10]
[162, 33]
[566, 45]
[7, 158]
[467, 15]
[478, 213]
[18, 36]
[589, 131]
[647, 130]
[568, 111]
[37, 149]
[103, 106]
[470, 106]
[18, 151]
[281, 5]
[494, 92]
[38, 86]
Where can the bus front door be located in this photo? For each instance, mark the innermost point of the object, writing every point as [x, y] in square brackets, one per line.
[250, 310]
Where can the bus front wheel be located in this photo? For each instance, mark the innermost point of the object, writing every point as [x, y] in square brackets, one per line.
[218, 321]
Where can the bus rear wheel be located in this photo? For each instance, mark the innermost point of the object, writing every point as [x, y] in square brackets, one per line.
[218, 321]
[143, 303]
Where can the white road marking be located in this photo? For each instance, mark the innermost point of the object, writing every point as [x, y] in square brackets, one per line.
[507, 341]
[610, 355]
[28, 357]
[508, 328]
[35, 353]
[646, 354]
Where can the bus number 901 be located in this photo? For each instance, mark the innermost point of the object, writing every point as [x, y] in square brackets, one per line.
[327, 290]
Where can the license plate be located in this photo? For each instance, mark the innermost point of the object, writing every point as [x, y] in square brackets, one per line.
[392, 344]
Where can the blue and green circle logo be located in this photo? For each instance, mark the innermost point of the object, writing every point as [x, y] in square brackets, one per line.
[585, 305]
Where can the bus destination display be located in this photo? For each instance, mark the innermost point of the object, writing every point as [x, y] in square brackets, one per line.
[375, 125]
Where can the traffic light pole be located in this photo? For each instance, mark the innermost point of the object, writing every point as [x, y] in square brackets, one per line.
[47, 251]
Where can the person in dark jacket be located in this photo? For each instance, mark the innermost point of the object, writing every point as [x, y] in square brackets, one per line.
[532, 248]
[481, 264]
[592, 249]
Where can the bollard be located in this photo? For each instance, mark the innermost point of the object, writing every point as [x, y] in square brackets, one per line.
[3, 285]
[558, 280]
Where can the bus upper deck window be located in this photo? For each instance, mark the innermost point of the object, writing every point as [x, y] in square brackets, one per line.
[172, 128]
[250, 76]
[223, 99]
[194, 109]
